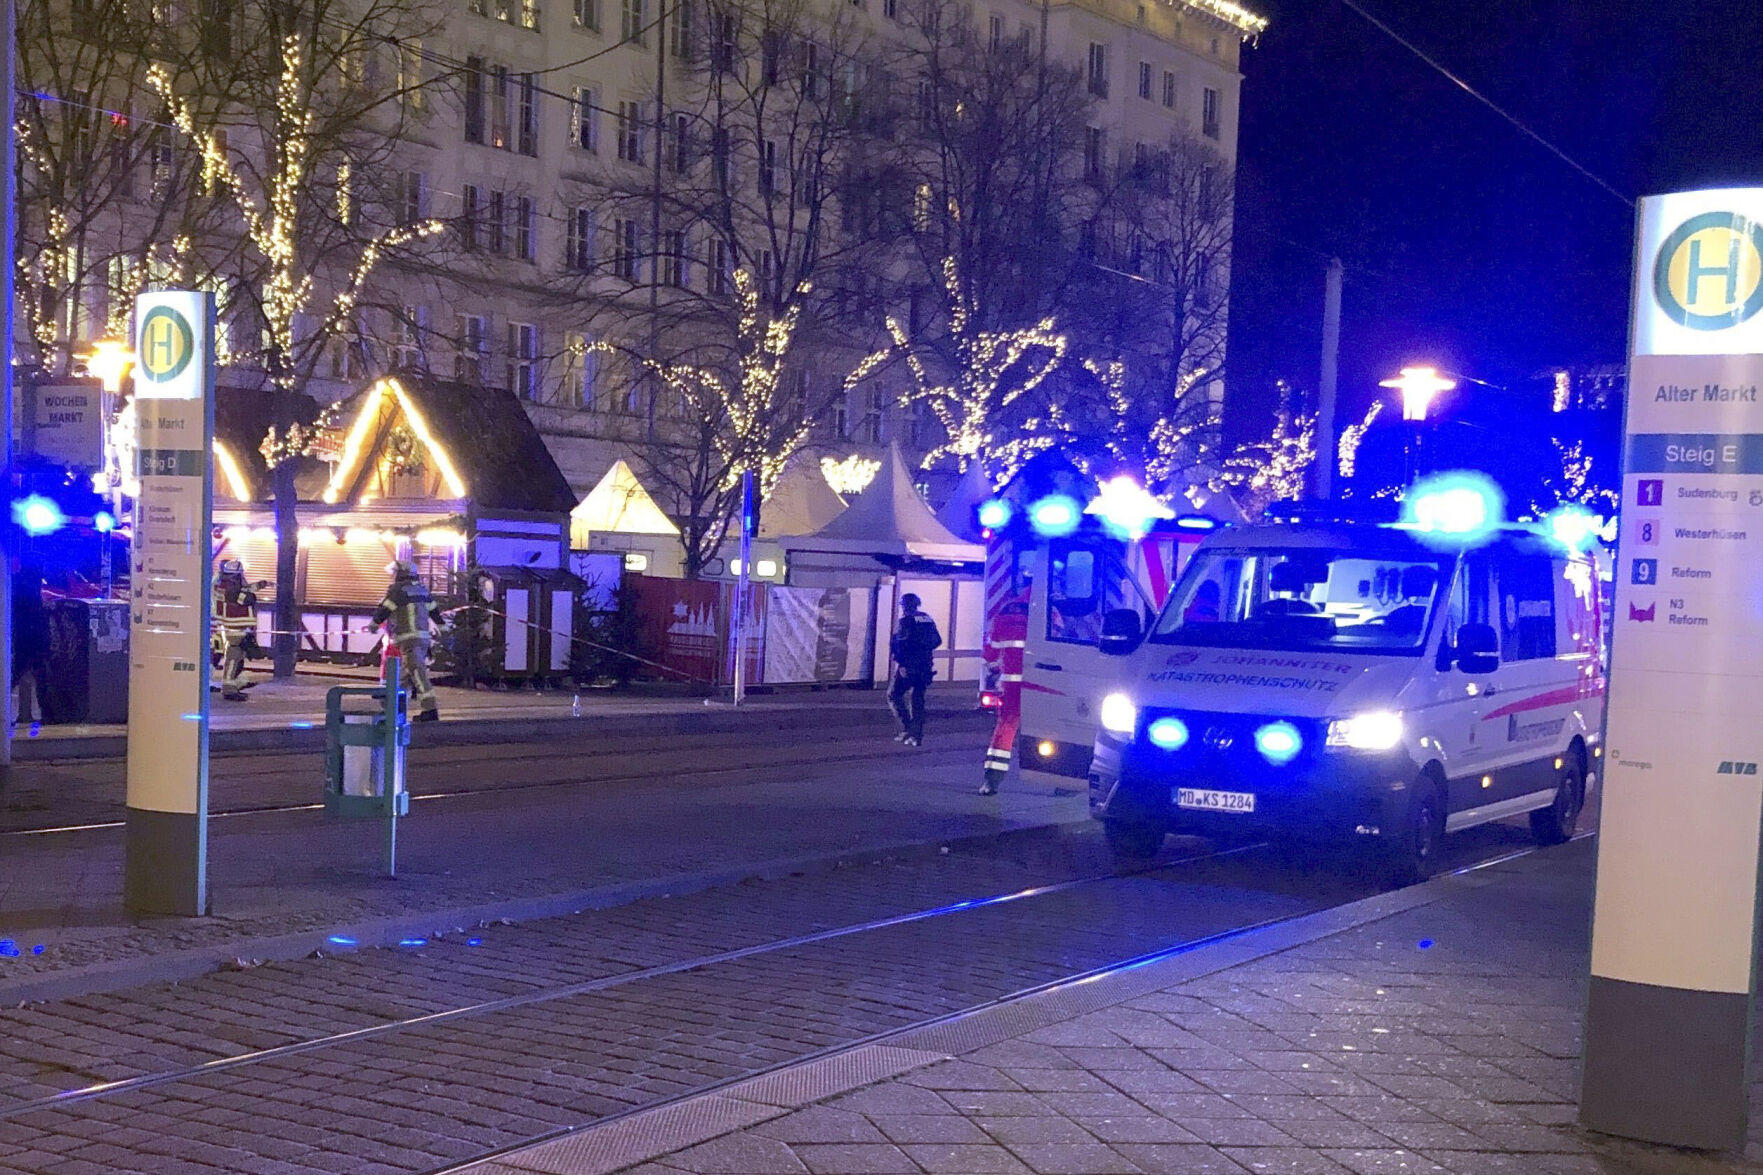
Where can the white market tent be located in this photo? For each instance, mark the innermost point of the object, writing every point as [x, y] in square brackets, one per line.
[618, 505]
[887, 523]
[801, 502]
[958, 512]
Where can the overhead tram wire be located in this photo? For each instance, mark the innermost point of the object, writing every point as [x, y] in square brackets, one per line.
[1516, 122]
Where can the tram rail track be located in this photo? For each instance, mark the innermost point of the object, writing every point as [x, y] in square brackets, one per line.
[508, 762]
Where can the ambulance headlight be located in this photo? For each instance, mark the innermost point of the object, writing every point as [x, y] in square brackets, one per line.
[1119, 715]
[1379, 730]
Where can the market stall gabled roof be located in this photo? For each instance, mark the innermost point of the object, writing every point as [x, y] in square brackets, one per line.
[889, 521]
[485, 446]
[618, 504]
[959, 513]
[801, 502]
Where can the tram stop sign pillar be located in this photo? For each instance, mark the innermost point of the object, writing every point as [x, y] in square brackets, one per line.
[1674, 932]
[165, 855]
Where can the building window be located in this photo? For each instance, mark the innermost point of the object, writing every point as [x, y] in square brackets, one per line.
[719, 271]
[470, 211]
[1145, 80]
[474, 99]
[673, 259]
[1209, 113]
[409, 335]
[921, 206]
[995, 32]
[1095, 152]
[529, 114]
[679, 31]
[871, 428]
[633, 21]
[584, 120]
[679, 143]
[842, 416]
[726, 46]
[471, 348]
[529, 14]
[587, 15]
[1169, 88]
[768, 168]
[579, 241]
[347, 354]
[496, 224]
[580, 375]
[498, 85]
[411, 79]
[630, 132]
[811, 71]
[525, 229]
[722, 158]
[413, 198]
[523, 359]
[891, 9]
[767, 270]
[625, 239]
[1098, 73]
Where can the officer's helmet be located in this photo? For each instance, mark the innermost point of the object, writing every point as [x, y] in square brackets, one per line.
[401, 569]
[232, 569]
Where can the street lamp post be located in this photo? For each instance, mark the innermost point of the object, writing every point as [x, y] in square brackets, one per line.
[1417, 387]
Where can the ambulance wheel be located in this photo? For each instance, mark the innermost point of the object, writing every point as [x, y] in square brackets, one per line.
[1554, 824]
[1132, 844]
[1414, 855]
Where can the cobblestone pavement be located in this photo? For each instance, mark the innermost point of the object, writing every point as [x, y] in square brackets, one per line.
[430, 1095]
[1441, 1040]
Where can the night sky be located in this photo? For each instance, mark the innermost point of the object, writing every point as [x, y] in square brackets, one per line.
[1465, 243]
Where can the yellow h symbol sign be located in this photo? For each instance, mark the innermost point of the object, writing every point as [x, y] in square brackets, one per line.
[162, 344]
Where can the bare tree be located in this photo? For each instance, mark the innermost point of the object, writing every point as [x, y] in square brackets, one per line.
[107, 199]
[726, 227]
[731, 423]
[973, 378]
[306, 151]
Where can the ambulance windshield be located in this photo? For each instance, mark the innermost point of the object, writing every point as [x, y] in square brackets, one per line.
[1305, 599]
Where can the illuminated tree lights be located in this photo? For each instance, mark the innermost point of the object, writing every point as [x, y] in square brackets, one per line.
[1264, 472]
[984, 377]
[759, 427]
[851, 475]
[273, 216]
[1352, 437]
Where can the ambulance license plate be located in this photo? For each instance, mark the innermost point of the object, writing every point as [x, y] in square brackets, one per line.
[1207, 800]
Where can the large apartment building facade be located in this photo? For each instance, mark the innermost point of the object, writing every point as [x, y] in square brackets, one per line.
[539, 123]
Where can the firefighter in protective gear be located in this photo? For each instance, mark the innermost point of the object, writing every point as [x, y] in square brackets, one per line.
[409, 610]
[1006, 650]
[235, 626]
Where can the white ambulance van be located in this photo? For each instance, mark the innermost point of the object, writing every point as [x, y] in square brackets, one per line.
[1352, 682]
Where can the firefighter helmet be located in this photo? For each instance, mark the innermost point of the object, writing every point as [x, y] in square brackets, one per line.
[232, 569]
[401, 569]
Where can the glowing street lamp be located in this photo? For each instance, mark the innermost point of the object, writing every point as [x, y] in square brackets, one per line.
[1418, 386]
[110, 361]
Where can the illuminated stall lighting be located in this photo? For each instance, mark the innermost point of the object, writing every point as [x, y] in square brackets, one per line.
[234, 476]
[435, 536]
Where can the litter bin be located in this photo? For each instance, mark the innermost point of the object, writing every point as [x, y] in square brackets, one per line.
[88, 679]
[364, 756]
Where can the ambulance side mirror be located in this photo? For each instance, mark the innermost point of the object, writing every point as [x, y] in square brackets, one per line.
[1477, 648]
[1122, 630]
